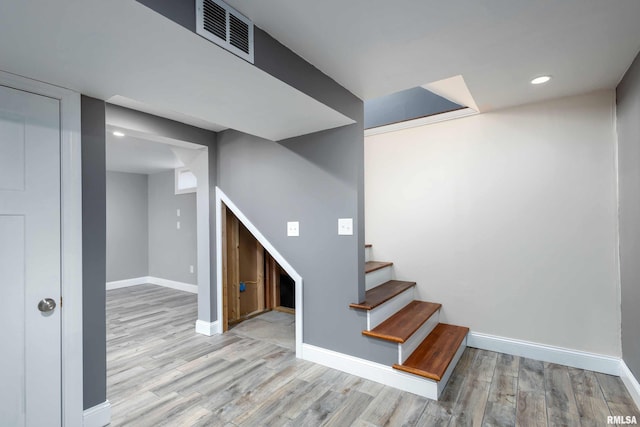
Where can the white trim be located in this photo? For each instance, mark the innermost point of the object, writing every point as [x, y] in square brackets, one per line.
[71, 233]
[406, 348]
[150, 280]
[452, 365]
[207, 328]
[443, 117]
[117, 284]
[373, 371]
[222, 198]
[630, 382]
[546, 353]
[186, 287]
[97, 416]
[377, 277]
[388, 308]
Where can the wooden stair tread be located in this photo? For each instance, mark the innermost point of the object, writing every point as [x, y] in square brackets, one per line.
[399, 327]
[371, 266]
[381, 294]
[433, 356]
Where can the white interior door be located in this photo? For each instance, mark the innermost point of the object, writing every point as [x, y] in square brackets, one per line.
[30, 339]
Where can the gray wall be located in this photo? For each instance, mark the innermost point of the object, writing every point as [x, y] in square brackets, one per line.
[171, 251]
[314, 179]
[628, 113]
[94, 113]
[94, 339]
[127, 226]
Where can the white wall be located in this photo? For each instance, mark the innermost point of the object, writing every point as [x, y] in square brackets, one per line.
[509, 219]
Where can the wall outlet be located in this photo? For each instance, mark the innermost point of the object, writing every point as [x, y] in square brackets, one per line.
[293, 229]
[345, 226]
[178, 225]
[191, 269]
[177, 212]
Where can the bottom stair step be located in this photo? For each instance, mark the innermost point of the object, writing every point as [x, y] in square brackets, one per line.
[433, 356]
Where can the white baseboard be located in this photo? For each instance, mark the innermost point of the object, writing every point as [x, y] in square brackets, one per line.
[546, 353]
[186, 287]
[97, 416]
[630, 382]
[371, 370]
[208, 328]
[127, 282]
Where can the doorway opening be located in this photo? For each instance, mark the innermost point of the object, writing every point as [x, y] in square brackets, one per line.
[222, 200]
[158, 257]
[253, 283]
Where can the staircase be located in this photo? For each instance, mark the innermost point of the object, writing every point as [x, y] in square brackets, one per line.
[427, 348]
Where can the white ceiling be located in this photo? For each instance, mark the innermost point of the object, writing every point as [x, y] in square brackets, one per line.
[375, 47]
[137, 155]
[121, 49]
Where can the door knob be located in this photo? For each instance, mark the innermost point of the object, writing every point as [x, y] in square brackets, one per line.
[46, 305]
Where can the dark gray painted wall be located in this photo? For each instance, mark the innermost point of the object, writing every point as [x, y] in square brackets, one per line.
[182, 12]
[405, 105]
[127, 226]
[93, 251]
[278, 60]
[628, 113]
[171, 251]
[313, 179]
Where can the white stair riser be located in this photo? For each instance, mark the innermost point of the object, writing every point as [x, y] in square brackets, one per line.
[376, 278]
[445, 378]
[405, 349]
[383, 311]
[367, 254]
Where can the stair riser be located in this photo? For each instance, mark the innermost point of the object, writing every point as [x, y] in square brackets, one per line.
[445, 378]
[405, 349]
[376, 278]
[385, 310]
[367, 254]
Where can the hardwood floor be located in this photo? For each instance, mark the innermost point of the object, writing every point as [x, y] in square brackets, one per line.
[161, 373]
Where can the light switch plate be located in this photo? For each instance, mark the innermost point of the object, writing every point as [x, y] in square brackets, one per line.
[293, 229]
[345, 226]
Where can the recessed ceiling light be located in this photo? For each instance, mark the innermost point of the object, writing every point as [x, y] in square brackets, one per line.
[118, 133]
[540, 80]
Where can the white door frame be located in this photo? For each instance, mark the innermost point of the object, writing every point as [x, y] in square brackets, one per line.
[71, 234]
[223, 198]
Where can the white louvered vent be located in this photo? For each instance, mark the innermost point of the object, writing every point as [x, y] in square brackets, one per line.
[220, 23]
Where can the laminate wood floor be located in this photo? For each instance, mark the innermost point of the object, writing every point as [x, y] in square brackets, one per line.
[161, 373]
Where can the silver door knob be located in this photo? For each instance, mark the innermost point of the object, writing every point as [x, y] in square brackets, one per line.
[46, 305]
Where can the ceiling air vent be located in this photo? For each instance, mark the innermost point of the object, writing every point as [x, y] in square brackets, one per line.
[220, 23]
